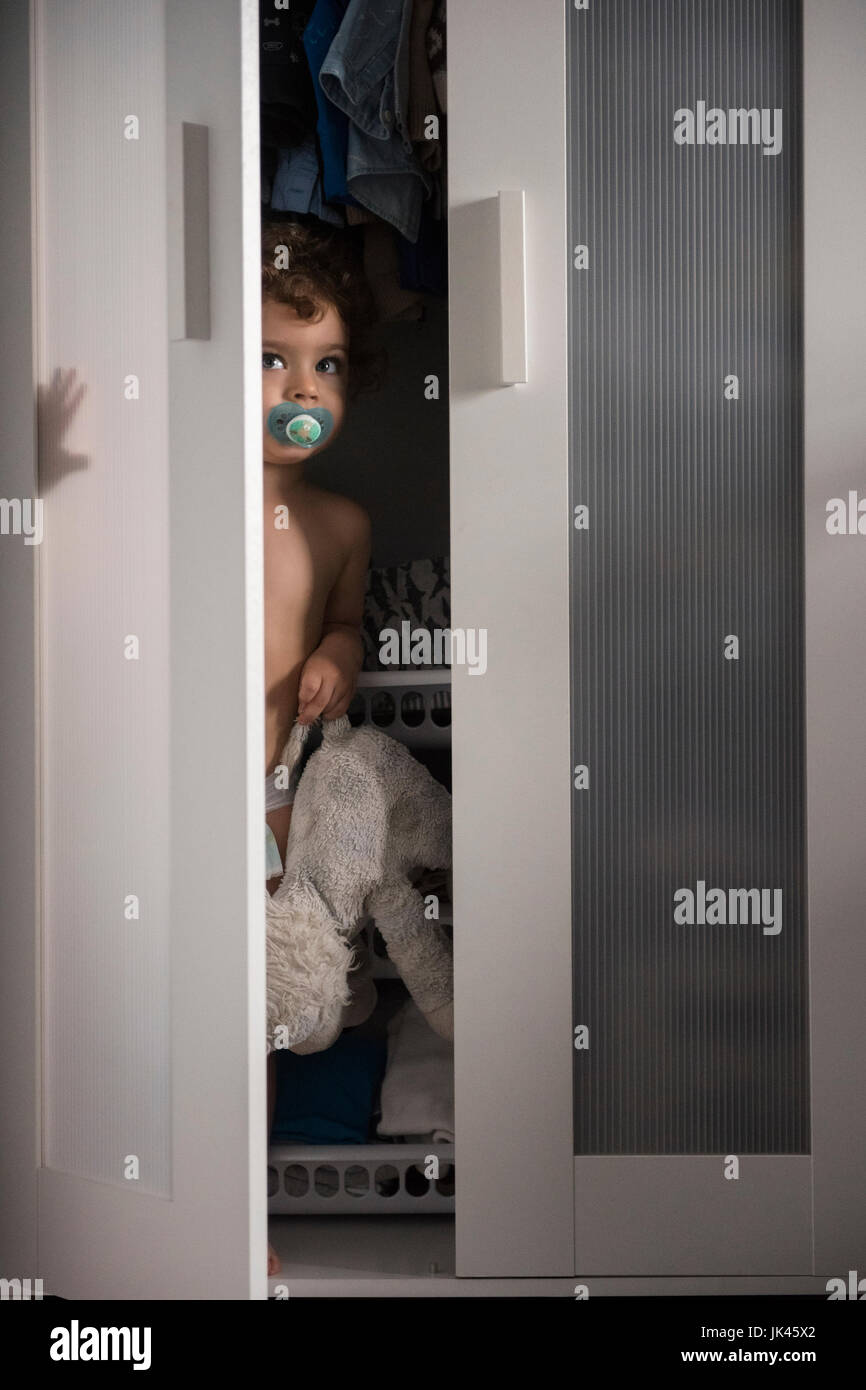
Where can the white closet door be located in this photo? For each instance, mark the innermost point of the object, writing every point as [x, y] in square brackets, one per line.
[151, 1182]
[509, 571]
[692, 1095]
[718, 1127]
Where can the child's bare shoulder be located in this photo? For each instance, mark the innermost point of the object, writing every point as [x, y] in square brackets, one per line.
[346, 518]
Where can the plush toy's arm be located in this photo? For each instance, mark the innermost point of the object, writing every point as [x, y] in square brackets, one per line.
[419, 949]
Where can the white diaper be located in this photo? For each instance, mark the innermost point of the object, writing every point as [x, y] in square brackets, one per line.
[276, 796]
[302, 743]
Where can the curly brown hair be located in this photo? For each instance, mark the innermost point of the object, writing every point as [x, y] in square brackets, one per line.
[312, 267]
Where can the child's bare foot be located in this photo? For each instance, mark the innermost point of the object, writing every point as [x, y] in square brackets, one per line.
[274, 1265]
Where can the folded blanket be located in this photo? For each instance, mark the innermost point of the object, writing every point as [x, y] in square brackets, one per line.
[367, 819]
[418, 1089]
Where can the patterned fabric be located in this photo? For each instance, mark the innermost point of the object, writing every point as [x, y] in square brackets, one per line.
[418, 592]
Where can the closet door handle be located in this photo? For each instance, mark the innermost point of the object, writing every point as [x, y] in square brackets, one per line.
[188, 232]
[512, 287]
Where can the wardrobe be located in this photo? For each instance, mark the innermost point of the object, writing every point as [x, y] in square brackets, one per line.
[644, 464]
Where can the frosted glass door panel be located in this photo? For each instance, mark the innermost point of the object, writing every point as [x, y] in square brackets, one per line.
[103, 474]
[690, 961]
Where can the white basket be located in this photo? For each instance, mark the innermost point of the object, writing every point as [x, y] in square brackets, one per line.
[359, 1179]
[412, 706]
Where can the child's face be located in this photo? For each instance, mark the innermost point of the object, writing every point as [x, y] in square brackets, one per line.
[306, 363]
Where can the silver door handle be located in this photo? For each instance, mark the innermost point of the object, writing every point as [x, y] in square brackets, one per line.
[188, 232]
[512, 287]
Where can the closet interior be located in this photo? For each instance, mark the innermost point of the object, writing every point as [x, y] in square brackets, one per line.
[361, 1173]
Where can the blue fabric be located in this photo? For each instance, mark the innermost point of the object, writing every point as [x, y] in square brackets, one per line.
[333, 124]
[365, 74]
[297, 185]
[328, 1097]
[295, 179]
[423, 265]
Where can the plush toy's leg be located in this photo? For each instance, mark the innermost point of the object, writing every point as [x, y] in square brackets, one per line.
[360, 981]
[420, 950]
[319, 1041]
[307, 964]
[358, 1010]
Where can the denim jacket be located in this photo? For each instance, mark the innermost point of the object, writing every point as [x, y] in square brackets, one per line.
[366, 74]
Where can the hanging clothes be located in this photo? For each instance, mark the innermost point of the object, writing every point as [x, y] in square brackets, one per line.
[347, 86]
[288, 102]
[382, 270]
[284, 79]
[365, 74]
[356, 214]
[297, 184]
[423, 264]
[436, 54]
[332, 125]
[422, 96]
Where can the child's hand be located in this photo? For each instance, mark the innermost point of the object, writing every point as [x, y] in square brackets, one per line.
[325, 688]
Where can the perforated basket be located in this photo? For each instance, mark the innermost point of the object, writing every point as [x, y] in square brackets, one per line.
[359, 1179]
[413, 706]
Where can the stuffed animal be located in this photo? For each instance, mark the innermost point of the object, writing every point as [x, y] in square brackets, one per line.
[367, 819]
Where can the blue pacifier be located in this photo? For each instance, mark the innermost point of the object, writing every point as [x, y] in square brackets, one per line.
[293, 424]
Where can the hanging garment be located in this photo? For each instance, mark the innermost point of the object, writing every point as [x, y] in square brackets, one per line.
[333, 124]
[355, 215]
[424, 263]
[365, 74]
[438, 198]
[297, 184]
[288, 102]
[382, 272]
[425, 38]
[422, 97]
[436, 53]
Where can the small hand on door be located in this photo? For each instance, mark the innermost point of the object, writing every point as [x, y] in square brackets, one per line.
[56, 406]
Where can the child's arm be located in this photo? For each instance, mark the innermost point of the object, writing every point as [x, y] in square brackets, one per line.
[330, 673]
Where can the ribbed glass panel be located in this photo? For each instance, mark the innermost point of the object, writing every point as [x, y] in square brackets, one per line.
[697, 1033]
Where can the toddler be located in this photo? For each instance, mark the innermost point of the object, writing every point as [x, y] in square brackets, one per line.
[316, 316]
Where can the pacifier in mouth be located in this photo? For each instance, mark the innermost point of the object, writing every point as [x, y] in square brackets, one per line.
[294, 424]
